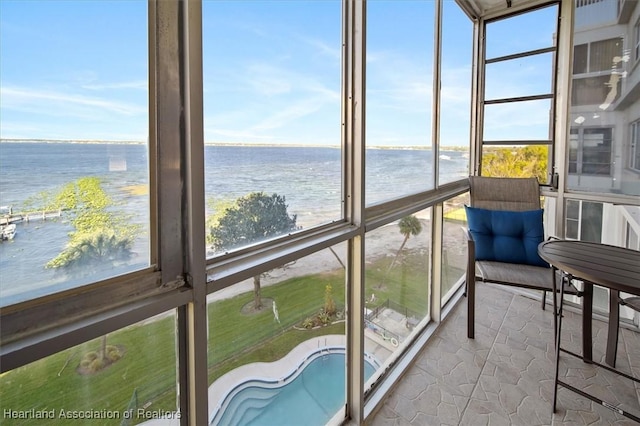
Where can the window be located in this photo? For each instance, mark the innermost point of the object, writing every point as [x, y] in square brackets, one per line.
[125, 377]
[74, 173]
[266, 117]
[294, 322]
[634, 158]
[602, 154]
[517, 133]
[597, 56]
[636, 41]
[272, 118]
[601, 90]
[590, 151]
[397, 281]
[399, 86]
[605, 55]
[455, 74]
[583, 221]
[454, 245]
[580, 54]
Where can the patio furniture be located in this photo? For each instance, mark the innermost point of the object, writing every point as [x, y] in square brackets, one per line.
[509, 200]
[612, 267]
[614, 321]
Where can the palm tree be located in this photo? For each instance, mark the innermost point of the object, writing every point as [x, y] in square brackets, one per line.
[409, 225]
[88, 251]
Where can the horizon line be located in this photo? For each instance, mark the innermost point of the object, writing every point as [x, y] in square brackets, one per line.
[247, 144]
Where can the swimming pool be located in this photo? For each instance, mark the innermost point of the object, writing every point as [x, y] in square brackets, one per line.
[309, 396]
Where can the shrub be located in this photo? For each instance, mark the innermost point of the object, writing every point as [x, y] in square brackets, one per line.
[113, 353]
[308, 323]
[96, 365]
[324, 317]
[329, 304]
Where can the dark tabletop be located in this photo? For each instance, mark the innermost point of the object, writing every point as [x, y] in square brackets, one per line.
[609, 266]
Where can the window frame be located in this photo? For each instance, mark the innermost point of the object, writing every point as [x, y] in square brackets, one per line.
[180, 276]
[634, 146]
[580, 151]
[636, 41]
[481, 142]
[581, 206]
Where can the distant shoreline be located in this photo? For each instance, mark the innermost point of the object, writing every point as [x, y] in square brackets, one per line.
[239, 144]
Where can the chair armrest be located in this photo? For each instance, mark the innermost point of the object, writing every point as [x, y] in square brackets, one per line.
[467, 233]
[471, 255]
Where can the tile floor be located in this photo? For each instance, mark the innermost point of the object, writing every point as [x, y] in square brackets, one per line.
[505, 375]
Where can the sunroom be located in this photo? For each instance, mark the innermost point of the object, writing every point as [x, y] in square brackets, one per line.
[320, 151]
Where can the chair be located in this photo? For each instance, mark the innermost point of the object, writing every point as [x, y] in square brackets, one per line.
[507, 196]
[614, 322]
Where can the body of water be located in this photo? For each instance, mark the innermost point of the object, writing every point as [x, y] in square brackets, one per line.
[310, 179]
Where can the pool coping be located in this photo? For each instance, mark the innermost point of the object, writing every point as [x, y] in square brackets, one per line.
[268, 371]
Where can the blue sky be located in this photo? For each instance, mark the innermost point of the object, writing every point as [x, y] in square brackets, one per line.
[78, 70]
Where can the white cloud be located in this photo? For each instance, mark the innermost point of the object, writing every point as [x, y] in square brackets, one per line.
[138, 85]
[51, 102]
[292, 112]
[325, 49]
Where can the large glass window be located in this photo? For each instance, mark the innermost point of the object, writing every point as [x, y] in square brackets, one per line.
[454, 245]
[278, 340]
[74, 175]
[604, 104]
[121, 378]
[634, 157]
[590, 151]
[397, 283]
[601, 55]
[517, 131]
[583, 221]
[636, 41]
[272, 117]
[399, 96]
[455, 95]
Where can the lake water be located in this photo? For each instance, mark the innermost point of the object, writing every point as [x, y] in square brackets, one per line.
[309, 178]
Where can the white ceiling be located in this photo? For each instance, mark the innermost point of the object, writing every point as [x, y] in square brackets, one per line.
[492, 8]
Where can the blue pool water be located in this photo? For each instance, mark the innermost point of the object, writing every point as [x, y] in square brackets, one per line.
[311, 397]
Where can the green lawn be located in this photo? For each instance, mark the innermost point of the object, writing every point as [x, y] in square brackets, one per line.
[149, 362]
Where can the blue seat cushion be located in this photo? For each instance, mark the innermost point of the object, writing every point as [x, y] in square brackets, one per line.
[507, 236]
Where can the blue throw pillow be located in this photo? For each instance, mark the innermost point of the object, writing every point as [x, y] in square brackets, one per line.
[507, 236]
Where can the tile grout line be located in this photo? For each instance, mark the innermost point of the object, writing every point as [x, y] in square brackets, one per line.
[484, 364]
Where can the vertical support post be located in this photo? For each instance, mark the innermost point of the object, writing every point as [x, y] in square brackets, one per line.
[477, 96]
[354, 153]
[176, 139]
[435, 286]
[194, 211]
[437, 85]
[437, 213]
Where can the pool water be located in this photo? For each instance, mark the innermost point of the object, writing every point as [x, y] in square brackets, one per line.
[311, 398]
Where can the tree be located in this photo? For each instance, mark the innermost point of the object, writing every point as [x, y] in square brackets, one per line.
[101, 234]
[329, 303]
[250, 219]
[408, 225]
[528, 161]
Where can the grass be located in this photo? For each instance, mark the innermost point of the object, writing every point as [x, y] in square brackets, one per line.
[148, 365]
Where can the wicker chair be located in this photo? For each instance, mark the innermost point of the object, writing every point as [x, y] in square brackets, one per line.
[512, 194]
